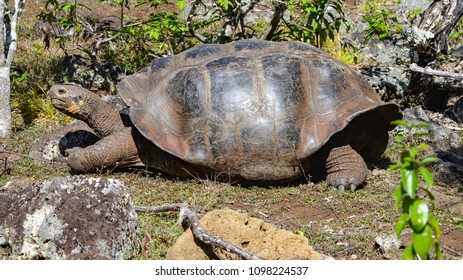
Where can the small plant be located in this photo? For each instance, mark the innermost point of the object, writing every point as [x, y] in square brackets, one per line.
[127, 42]
[381, 22]
[415, 211]
[317, 20]
[456, 36]
[414, 14]
[32, 101]
[343, 52]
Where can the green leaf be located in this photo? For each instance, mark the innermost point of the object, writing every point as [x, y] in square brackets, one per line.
[397, 194]
[404, 155]
[426, 175]
[408, 253]
[422, 242]
[423, 146]
[401, 123]
[181, 4]
[401, 222]
[422, 124]
[428, 160]
[432, 220]
[406, 203]
[421, 133]
[419, 213]
[399, 138]
[409, 180]
[459, 223]
[413, 152]
[394, 167]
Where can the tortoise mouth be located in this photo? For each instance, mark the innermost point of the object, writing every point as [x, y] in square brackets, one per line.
[58, 103]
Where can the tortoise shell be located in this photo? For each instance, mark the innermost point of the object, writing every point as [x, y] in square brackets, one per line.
[251, 108]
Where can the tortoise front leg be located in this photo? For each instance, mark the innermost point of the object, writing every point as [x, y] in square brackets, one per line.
[345, 168]
[115, 150]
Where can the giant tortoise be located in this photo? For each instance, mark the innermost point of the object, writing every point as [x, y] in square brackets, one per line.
[250, 111]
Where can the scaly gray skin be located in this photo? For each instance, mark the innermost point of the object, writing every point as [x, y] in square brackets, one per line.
[345, 168]
[115, 149]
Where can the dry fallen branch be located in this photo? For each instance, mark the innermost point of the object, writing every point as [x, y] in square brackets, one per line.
[198, 231]
[429, 71]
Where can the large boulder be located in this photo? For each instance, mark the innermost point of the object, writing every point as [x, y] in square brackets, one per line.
[251, 234]
[67, 218]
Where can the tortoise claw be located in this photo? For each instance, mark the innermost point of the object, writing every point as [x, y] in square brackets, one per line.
[342, 188]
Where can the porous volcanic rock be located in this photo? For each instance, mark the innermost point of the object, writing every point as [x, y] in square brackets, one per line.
[251, 234]
[67, 218]
[53, 145]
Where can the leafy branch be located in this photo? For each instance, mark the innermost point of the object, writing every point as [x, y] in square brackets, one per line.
[316, 20]
[415, 211]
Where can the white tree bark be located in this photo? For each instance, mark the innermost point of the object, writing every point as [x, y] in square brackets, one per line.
[440, 19]
[8, 45]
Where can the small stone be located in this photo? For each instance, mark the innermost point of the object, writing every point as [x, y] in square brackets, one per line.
[378, 172]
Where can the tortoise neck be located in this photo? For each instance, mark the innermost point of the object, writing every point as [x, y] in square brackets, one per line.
[103, 118]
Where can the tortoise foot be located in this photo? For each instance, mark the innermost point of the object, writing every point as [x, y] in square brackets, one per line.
[76, 161]
[345, 169]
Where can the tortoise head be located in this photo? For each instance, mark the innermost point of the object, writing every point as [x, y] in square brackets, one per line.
[73, 100]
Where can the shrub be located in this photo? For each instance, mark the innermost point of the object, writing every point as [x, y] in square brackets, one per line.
[315, 21]
[415, 211]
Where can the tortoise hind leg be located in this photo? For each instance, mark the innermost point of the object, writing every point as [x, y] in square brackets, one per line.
[116, 150]
[345, 168]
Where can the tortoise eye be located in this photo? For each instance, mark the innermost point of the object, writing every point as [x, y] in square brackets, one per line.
[61, 91]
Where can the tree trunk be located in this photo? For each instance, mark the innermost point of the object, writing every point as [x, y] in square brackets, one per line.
[440, 19]
[5, 111]
[8, 44]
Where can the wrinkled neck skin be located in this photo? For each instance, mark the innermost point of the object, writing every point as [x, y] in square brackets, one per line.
[101, 117]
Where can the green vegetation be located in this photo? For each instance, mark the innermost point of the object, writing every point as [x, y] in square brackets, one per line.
[382, 22]
[316, 21]
[416, 213]
[456, 36]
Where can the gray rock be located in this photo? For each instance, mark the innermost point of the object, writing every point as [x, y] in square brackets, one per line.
[455, 112]
[389, 246]
[83, 71]
[444, 144]
[67, 218]
[52, 146]
[390, 82]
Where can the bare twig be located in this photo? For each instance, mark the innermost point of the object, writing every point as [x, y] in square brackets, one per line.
[280, 8]
[189, 24]
[198, 231]
[429, 71]
[162, 208]
[455, 252]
